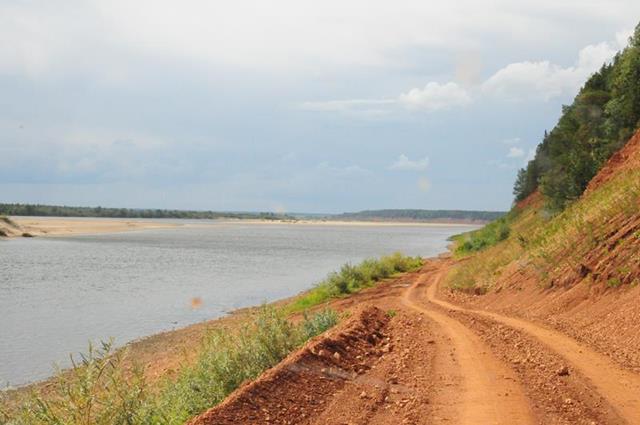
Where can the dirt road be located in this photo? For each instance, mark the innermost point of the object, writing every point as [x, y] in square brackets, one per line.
[619, 387]
[490, 392]
[406, 357]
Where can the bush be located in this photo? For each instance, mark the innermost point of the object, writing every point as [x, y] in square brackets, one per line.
[485, 237]
[318, 323]
[97, 390]
[100, 390]
[352, 279]
[227, 360]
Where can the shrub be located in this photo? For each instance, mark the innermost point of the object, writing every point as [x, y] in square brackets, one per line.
[489, 235]
[97, 390]
[100, 390]
[229, 359]
[318, 323]
[352, 279]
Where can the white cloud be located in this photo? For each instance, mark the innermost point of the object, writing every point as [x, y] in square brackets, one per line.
[289, 157]
[104, 36]
[545, 80]
[356, 107]
[515, 81]
[515, 152]
[515, 155]
[512, 141]
[404, 163]
[435, 96]
[530, 155]
[501, 164]
[622, 37]
[346, 171]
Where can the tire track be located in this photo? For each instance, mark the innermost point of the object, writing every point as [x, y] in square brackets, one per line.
[619, 387]
[490, 391]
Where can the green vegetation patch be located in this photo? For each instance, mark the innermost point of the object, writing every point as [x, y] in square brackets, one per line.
[67, 211]
[100, 390]
[421, 215]
[489, 235]
[350, 279]
[550, 245]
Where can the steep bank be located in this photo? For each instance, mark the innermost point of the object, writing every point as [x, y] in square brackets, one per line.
[424, 361]
[577, 272]
[9, 228]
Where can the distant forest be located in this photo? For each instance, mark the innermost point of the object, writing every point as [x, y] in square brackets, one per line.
[373, 215]
[65, 211]
[420, 215]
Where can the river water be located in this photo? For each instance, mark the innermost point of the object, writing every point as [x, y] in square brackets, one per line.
[59, 293]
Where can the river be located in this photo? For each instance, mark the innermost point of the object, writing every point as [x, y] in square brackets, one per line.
[59, 293]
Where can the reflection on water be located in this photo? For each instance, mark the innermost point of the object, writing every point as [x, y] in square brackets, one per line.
[56, 294]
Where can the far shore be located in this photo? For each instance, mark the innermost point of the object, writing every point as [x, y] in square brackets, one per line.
[70, 226]
[75, 226]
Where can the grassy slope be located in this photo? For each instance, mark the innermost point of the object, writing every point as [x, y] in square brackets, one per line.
[596, 239]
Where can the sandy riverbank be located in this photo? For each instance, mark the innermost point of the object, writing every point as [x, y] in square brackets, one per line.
[73, 226]
[53, 226]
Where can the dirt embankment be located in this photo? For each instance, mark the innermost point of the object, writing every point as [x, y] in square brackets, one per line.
[408, 356]
[525, 353]
[627, 158]
[9, 228]
[593, 298]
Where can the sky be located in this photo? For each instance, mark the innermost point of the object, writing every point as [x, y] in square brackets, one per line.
[288, 105]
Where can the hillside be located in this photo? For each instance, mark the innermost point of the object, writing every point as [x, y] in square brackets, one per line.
[578, 271]
[601, 119]
[553, 339]
[535, 319]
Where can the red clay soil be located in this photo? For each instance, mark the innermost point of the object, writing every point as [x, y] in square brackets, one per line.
[533, 199]
[323, 365]
[597, 300]
[415, 353]
[405, 356]
[626, 158]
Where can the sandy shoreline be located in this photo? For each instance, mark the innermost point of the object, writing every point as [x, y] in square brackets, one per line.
[45, 226]
[75, 226]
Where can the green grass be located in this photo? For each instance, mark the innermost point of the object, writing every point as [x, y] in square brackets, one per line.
[551, 245]
[350, 279]
[100, 390]
[489, 235]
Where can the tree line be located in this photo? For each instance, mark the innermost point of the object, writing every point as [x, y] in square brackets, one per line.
[421, 215]
[601, 119]
[67, 211]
